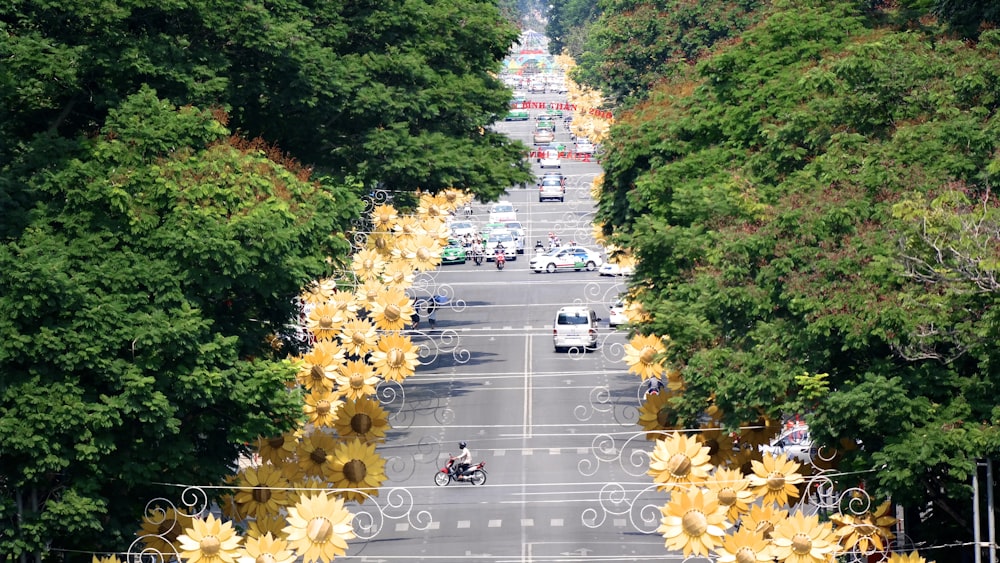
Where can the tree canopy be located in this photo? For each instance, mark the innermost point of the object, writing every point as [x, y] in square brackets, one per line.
[398, 92]
[137, 313]
[817, 232]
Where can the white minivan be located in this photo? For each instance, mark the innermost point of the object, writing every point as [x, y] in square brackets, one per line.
[575, 328]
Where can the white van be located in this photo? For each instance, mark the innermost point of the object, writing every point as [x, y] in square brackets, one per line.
[575, 327]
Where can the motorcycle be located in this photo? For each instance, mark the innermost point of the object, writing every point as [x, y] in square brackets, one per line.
[500, 260]
[477, 257]
[475, 474]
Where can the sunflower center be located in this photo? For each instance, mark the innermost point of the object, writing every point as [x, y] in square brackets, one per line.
[170, 530]
[746, 555]
[764, 528]
[694, 523]
[361, 423]
[647, 355]
[398, 277]
[865, 530]
[727, 497]
[210, 545]
[369, 264]
[261, 495]
[319, 530]
[395, 357]
[355, 470]
[392, 312]
[326, 321]
[801, 544]
[713, 446]
[679, 465]
[663, 416]
[358, 338]
[422, 254]
[323, 407]
[277, 441]
[357, 381]
[775, 481]
[265, 558]
[318, 456]
[317, 373]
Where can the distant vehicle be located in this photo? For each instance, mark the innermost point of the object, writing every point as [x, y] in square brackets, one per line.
[554, 175]
[454, 253]
[612, 269]
[584, 146]
[575, 327]
[549, 158]
[517, 115]
[543, 136]
[537, 87]
[616, 314]
[566, 258]
[502, 211]
[462, 228]
[516, 229]
[504, 238]
[545, 120]
[793, 442]
[551, 187]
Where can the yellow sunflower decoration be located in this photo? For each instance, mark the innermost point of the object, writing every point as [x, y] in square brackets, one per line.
[803, 539]
[398, 273]
[635, 312]
[264, 525]
[108, 559]
[320, 407]
[384, 218]
[314, 453]
[324, 321]
[261, 491]
[355, 465]
[367, 264]
[357, 337]
[319, 527]
[344, 302]
[762, 518]
[868, 532]
[437, 229]
[732, 489]
[912, 557]
[693, 521]
[744, 546]
[396, 357]
[760, 431]
[393, 310]
[266, 549]
[160, 529]
[319, 291]
[319, 368]
[209, 541]
[356, 379]
[277, 449]
[678, 462]
[422, 251]
[775, 478]
[367, 294]
[656, 414]
[362, 418]
[407, 227]
[721, 449]
[642, 354]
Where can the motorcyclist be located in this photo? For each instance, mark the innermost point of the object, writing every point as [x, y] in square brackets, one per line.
[477, 250]
[539, 247]
[498, 252]
[463, 460]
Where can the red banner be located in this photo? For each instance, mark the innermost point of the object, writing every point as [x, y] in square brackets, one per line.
[581, 156]
[528, 104]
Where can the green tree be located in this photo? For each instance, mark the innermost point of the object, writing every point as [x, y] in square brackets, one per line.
[820, 201]
[400, 92]
[135, 315]
[568, 25]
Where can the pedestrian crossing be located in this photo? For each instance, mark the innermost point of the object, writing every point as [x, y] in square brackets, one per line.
[494, 523]
[503, 452]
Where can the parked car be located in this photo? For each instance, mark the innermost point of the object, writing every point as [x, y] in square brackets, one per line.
[616, 313]
[613, 269]
[551, 187]
[575, 327]
[502, 211]
[543, 136]
[566, 258]
[453, 253]
[504, 238]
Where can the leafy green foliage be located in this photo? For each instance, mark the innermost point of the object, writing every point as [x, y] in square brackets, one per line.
[820, 201]
[399, 92]
[134, 312]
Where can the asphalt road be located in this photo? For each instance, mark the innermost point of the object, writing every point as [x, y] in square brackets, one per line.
[566, 465]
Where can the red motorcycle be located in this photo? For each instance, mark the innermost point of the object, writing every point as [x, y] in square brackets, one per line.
[475, 474]
[500, 260]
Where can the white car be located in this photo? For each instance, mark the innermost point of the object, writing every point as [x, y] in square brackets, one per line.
[517, 230]
[504, 238]
[575, 328]
[502, 212]
[616, 314]
[612, 269]
[584, 146]
[574, 258]
[793, 442]
[549, 158]
[461, 228]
